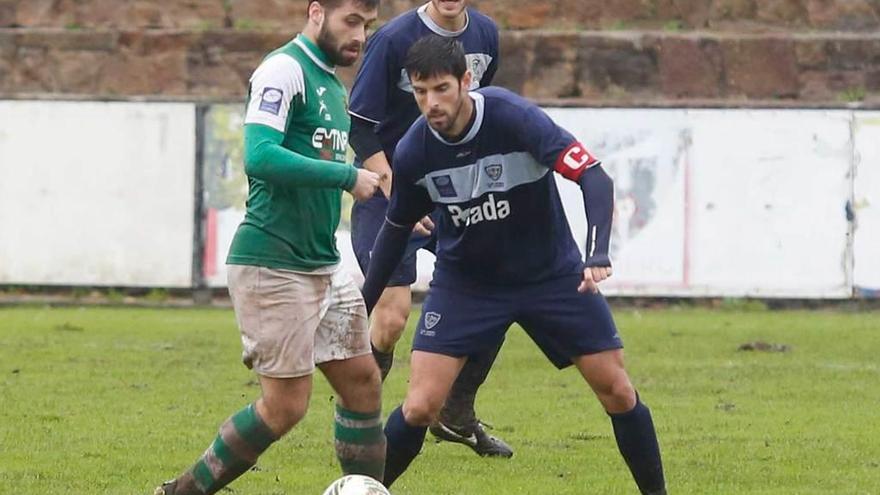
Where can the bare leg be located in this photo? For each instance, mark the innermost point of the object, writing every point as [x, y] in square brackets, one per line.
[631, 419]
[387, 324]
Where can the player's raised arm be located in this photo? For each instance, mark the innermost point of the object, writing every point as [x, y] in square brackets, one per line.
[558, 149]
[276, 88]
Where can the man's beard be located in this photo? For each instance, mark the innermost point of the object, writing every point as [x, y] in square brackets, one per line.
[450, 122]
[329, 44]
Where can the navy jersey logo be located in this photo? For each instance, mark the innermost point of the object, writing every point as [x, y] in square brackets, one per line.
[494, 171]
[271, 100]
[444, 186]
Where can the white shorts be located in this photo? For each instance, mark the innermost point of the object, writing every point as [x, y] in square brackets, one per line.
[291, 321]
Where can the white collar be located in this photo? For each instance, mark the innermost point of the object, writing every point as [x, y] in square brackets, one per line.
[320, 63]
[433, 26]
[479, 104]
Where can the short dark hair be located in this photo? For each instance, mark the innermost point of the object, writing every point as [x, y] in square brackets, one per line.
[335, 4]
[434, 56]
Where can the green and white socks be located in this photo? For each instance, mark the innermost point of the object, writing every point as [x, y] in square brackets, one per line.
[360, 442]
[242, 438]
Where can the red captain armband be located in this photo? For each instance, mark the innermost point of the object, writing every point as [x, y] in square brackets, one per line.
[573, 161]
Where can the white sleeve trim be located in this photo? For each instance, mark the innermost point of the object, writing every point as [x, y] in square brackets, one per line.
[273, 86]
[364, 118]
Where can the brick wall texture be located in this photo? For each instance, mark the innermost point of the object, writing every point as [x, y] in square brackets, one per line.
[606, 51]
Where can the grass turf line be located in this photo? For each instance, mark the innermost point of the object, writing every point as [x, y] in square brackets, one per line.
[102, 400]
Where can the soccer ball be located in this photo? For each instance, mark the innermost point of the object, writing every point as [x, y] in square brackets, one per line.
[356, 484]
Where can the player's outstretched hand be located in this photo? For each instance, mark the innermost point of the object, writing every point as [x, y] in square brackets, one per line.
[424, 227]
[592, 276]
[366, 184]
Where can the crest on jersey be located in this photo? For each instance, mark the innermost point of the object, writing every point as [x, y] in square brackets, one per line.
[432, 319]
[444, 186]
[494, 171]
[271, 100]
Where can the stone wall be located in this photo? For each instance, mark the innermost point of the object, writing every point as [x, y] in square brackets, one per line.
[728, 15]
[676, 52]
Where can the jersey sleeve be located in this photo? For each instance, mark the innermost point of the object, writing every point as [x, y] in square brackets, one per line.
[409, 201]
[369, 94]
[274, 88]
[557, 149]
[551, 145]
[489, 76]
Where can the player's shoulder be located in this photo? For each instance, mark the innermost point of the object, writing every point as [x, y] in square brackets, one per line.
[280, 67]
[401, 28]
[504, 102]
[280, 60]
[482, 22]
[410, 151]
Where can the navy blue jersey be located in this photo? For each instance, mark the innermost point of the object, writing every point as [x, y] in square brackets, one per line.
[382, 93]
[502, 219]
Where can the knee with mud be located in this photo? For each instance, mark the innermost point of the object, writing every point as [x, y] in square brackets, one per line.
[281, 414]
[368, 384]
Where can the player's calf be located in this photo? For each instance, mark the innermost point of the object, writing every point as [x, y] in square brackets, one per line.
[387, 324]
[388, 319]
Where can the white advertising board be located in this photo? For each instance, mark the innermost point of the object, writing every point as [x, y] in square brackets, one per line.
[96, 193]
[708, 202]
[769, 197]
[866, 204]
[722, 202]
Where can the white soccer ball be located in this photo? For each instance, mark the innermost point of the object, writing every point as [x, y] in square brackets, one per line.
[356, 484]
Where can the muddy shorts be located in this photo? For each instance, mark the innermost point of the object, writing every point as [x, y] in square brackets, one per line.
[291, 321]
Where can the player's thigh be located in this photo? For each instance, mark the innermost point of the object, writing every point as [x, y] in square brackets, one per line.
[278, 314]
[431, 378]
[565, 323]
[461, 322]
[343, 331]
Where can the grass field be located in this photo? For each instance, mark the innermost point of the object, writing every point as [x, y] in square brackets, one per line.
[98, 400]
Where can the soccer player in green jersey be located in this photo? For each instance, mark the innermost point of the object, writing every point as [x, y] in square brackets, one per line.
[295, 308]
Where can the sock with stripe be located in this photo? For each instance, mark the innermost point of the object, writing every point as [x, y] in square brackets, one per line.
[637, 441]
[404, 444]
[242, 438]
[360, 442]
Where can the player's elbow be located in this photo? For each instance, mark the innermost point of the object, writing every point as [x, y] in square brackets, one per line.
[255, 160]
[596, 180]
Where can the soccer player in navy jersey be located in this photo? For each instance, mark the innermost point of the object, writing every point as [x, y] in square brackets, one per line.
[505, 252]
[382, 109]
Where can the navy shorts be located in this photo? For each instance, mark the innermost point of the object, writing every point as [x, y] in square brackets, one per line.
[367, 218]
[462, 321]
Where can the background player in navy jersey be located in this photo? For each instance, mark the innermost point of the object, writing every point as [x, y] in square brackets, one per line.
[382, 109]
[505, 252]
